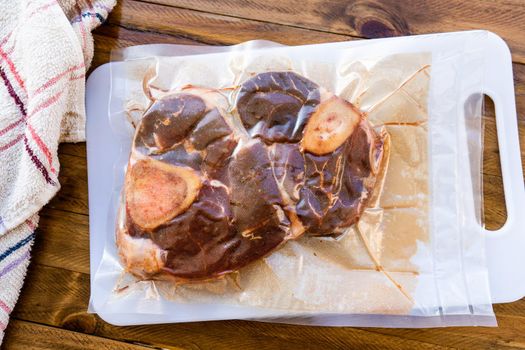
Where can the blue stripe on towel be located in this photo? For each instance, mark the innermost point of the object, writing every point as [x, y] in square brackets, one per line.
[17, 246]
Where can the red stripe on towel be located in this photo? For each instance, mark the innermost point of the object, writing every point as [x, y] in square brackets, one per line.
[42, 147]
[56, 78]
[13, 70]
[12, 92]
[38, 164]
[42, 8]
[4, 307]
[11, 143]
[31, 225]
[45, 104]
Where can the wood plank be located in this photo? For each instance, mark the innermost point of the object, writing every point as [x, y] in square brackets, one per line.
[495, 210]
[55, 297]
[58, 297]
[508, 335]
[31, 336]
[73, 194]
[516, 308]
[209, 28]
[62, 240]
[77, 149]
[376, 19]
[519, 87]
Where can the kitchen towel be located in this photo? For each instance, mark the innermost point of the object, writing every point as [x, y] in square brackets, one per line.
[46, 47]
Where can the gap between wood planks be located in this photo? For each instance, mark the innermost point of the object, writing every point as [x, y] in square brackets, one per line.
[342, 30]
[371, 19]
[208, 28]
[159, 3]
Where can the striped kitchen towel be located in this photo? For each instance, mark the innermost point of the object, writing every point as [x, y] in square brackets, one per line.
[45, 49]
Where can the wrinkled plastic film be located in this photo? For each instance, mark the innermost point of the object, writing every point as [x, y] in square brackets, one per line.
[416, 251]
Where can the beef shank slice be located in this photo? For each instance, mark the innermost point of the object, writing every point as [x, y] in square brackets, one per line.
[276, 105]
[338, 183]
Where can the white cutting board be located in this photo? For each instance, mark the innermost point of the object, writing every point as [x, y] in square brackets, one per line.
[505, 248]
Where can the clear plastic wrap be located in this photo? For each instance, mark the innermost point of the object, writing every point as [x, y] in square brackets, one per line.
[415, 256]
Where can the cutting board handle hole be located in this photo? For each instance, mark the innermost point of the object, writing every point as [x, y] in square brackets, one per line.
[493, 210]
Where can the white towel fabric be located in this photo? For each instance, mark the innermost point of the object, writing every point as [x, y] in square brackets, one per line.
[45, 49]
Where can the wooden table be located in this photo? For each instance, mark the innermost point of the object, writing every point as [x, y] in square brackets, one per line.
[51, 312]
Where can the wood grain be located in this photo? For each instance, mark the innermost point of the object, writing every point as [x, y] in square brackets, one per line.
[73, 183]
[73, 149]
[52, 312]
[379, 18]
[209, 28]
[30, 336]
[62, 240]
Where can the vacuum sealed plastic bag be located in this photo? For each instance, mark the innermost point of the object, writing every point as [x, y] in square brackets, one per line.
[323, 184]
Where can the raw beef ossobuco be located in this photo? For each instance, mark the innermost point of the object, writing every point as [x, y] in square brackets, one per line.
[209, 190]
